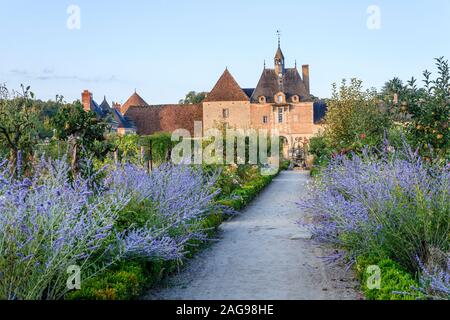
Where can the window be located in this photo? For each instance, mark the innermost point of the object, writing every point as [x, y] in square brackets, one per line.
[262, 99]
[265, 119]
[226, 113]
[280, 115]
[295, 99]
[280, 99]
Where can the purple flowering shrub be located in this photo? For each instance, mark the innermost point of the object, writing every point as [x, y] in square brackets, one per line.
[49, 223]
[168, 207]
[390, 204]
[435, 280]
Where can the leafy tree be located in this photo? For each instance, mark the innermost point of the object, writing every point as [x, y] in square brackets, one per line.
[429, 109]
[46, 110]
[355, 117]
[193, 97]
[85, 133]
[18, 120]
[392, 87]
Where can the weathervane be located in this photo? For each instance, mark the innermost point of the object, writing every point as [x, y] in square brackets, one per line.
[279, 38]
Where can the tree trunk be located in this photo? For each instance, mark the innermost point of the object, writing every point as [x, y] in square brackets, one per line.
[13, 154]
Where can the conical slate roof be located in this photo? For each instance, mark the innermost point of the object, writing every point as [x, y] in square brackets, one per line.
[279, 55]
[134, 101]
[226, 89]
[105, 105]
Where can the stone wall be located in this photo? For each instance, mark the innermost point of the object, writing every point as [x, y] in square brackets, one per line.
[238, 114]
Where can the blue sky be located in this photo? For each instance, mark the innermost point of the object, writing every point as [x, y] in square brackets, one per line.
[167, 48]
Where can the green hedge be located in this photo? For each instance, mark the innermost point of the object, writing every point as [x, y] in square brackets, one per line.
[396, 283]
[242, 196]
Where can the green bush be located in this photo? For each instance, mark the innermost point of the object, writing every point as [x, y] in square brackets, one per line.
[354, 117]
[121, 283]
[396, 282]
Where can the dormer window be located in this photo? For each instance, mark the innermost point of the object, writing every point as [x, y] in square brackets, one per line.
[262, 99]
[280, 97]
[295, 99]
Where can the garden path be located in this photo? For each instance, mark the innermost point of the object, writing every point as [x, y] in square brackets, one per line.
[262, 254]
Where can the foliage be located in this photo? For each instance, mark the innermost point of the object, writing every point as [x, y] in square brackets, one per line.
[430, 111]
[319, 147]
[18, 132]
[161, 146]
[120, 283]
[388, 203]
[139, 150]
[193, 97]
[45, 111]
[396, 283]
[48, 224]
[354, 117]
[391, 88]
[243, 192]
[435, 280]
[85, 133]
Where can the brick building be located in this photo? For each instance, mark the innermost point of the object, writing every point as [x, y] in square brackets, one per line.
[281, 100]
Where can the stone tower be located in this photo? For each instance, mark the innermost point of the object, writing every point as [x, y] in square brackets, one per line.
[279, 61]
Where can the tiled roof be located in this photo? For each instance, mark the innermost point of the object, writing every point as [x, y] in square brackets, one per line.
[122, 122]
[291, 84]
[96, 108]
[134, 101]
[226, 89]
[164, 118]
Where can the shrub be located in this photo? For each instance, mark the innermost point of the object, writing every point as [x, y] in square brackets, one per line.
[121, 283]
[47, 224]
[396, 283]
[435, 279]
[50, 222]
[430, 111]
[354, 118]
[388, 203]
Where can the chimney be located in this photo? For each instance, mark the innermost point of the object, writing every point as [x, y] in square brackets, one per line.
[86, 100]
[305, 72]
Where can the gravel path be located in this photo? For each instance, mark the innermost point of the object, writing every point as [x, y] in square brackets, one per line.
[262, 255]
